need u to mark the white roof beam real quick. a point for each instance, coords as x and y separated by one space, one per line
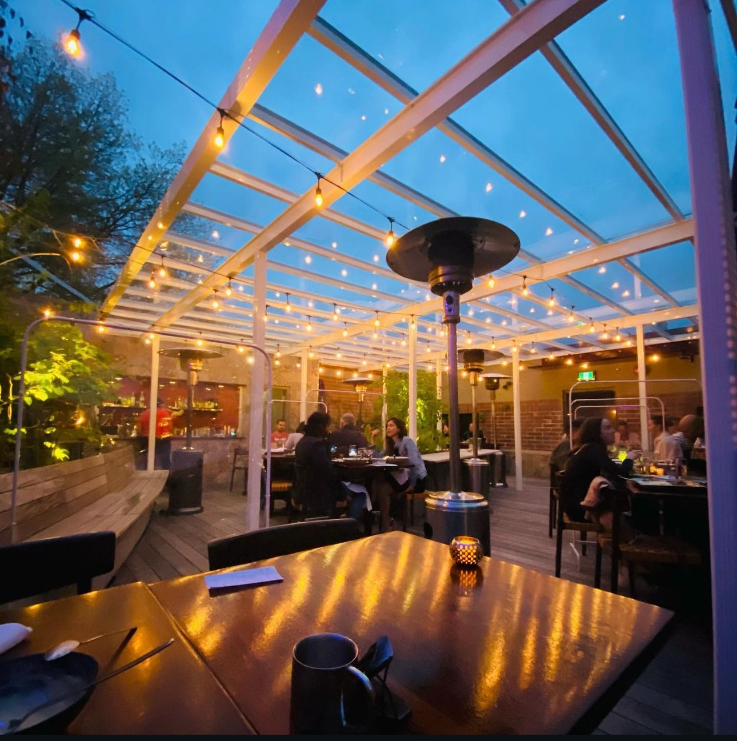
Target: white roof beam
586 96
281 33
509 45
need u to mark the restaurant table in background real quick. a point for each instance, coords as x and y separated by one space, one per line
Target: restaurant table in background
438 467
173 692
500 650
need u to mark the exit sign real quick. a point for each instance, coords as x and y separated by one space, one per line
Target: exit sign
587 376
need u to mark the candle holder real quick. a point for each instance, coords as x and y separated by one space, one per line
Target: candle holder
466 551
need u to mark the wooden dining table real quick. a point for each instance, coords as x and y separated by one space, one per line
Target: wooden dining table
502 649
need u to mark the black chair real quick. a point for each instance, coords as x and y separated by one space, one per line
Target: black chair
38 566
280 540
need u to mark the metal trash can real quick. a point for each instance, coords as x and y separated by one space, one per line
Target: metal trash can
185 482
448 515
477 477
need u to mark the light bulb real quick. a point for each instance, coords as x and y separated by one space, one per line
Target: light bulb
220 137
514 348
229 289
47 313
390 237
152 281
570 317
309 325
569 361
200 343
525 292
628 343
241 349
492 282
617 337
72 43
162 271
100 328
318 197
288 307
278 352
551 300
345 331
493 345
76 256
215 303
310 354
77 242
375 335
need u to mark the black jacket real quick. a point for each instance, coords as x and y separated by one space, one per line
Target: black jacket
347 436
315 483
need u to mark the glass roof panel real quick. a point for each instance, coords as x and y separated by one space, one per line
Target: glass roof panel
658 265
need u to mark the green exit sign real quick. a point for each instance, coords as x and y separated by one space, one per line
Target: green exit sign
587 376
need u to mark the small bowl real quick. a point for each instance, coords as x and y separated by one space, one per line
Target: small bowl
466 551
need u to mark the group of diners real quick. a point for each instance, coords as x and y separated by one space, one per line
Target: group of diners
320 487
592 475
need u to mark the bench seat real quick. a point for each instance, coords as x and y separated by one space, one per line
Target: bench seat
104 492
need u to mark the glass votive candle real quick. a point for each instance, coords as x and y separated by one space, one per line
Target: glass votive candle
466 551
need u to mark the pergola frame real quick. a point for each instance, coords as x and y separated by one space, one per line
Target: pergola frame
532 27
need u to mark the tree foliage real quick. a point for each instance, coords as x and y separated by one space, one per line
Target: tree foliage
69 160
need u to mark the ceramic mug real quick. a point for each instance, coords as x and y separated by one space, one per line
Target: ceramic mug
323 678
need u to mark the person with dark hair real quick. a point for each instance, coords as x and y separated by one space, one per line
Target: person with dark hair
626 438
665 446
295 437
390 492
317 488
566 446
279 435
589 461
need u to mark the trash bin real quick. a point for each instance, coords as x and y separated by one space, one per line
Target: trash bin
448 515
185 482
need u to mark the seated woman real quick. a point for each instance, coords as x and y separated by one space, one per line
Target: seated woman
295 437
589 461
390 491
317 488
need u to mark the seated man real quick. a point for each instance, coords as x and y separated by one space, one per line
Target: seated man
280 435
471 431
665 446
565 447
626 438
346 435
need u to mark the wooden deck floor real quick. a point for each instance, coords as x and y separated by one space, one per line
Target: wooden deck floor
672 696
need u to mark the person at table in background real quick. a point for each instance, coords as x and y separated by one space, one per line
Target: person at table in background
391 490
346 435
590 461
279 435
470 433
162 453
317 487
689 429
626 438
295 437
665 446
565 448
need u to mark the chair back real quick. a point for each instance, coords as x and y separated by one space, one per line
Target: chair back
280 540
38 566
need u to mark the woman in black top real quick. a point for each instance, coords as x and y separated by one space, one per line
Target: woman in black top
588 462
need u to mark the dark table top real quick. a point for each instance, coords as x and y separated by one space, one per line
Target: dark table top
660 485
520 653
173 692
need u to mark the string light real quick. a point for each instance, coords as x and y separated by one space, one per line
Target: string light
412 322
551 356
47 313
468 339
310 354
514 347
335 313
377 323
571 317
551 300
200 342
491 283
569 361
278 351
525 292
364 362
604 335
629 342
229 289
288 306
345 329
493 344
428 348
309 324
390 239
375 335
76 256
73 42
403 343
318 194
266 313
162 269
617 337
338 355
592 328
241 349
77 242
152 281
220 133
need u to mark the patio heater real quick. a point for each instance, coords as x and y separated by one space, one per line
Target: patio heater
492 381
449 253
478 468
185 477
360 385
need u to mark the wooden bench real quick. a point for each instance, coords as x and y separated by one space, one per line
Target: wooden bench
102 492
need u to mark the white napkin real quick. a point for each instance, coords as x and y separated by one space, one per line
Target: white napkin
11 634
246 577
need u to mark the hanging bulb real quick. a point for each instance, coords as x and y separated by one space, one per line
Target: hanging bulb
390 239
309 324
162 270
428 349
592 328
72 43
604 335
215 302
278 351
617 337
491 283
412 324
310 354
335 313
345 329
628 343
241 349
318 194
363 362
493 344
229 289
220 133
468 339
152 281
551 300
551 356
403 342
525 292
338 355
377 323
569 361
570 316
288 306
514 347
375 335
200 342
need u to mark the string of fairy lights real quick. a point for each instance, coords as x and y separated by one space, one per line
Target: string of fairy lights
73 45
